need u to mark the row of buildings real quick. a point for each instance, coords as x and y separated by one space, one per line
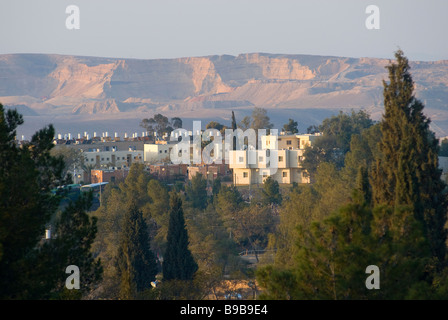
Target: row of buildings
105 160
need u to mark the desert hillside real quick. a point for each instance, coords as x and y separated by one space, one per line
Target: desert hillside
301 86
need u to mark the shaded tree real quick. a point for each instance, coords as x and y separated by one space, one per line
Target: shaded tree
291 126
333 145
73 234
136 262
312 129
176 122
197 191
245 123
233 125
216 125
27 207
271 192
178 263
160 124
406 172
260 119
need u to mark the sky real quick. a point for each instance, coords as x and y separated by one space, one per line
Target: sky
159 29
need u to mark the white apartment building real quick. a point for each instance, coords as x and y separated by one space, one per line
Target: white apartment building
282 162
157 152
112 158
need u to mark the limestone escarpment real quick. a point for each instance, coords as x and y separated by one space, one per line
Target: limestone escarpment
90 85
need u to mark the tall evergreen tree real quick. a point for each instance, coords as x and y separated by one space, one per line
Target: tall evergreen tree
136 262
406 172
27 175
395 221
197 191
234 127
73 234
178 263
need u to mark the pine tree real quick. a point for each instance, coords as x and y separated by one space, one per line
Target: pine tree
271 192
27 175
406 172
136 262
74 232
178 261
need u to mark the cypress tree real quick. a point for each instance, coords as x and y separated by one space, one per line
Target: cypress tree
178 261
234 126
406 172
136 262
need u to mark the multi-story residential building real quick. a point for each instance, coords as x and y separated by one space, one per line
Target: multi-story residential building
112 158
282 162
157 152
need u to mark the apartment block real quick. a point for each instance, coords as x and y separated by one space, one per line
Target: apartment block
112 158
279 157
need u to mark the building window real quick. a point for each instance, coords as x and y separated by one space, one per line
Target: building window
260 159
285 174
288 142
241 159
245 174
280 158
160 151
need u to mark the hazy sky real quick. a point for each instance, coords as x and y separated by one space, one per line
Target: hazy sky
179 28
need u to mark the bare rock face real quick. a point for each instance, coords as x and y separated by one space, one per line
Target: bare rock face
75 79
102 106
198 86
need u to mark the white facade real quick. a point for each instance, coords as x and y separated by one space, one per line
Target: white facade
154 153
113 158
282 163
253 167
